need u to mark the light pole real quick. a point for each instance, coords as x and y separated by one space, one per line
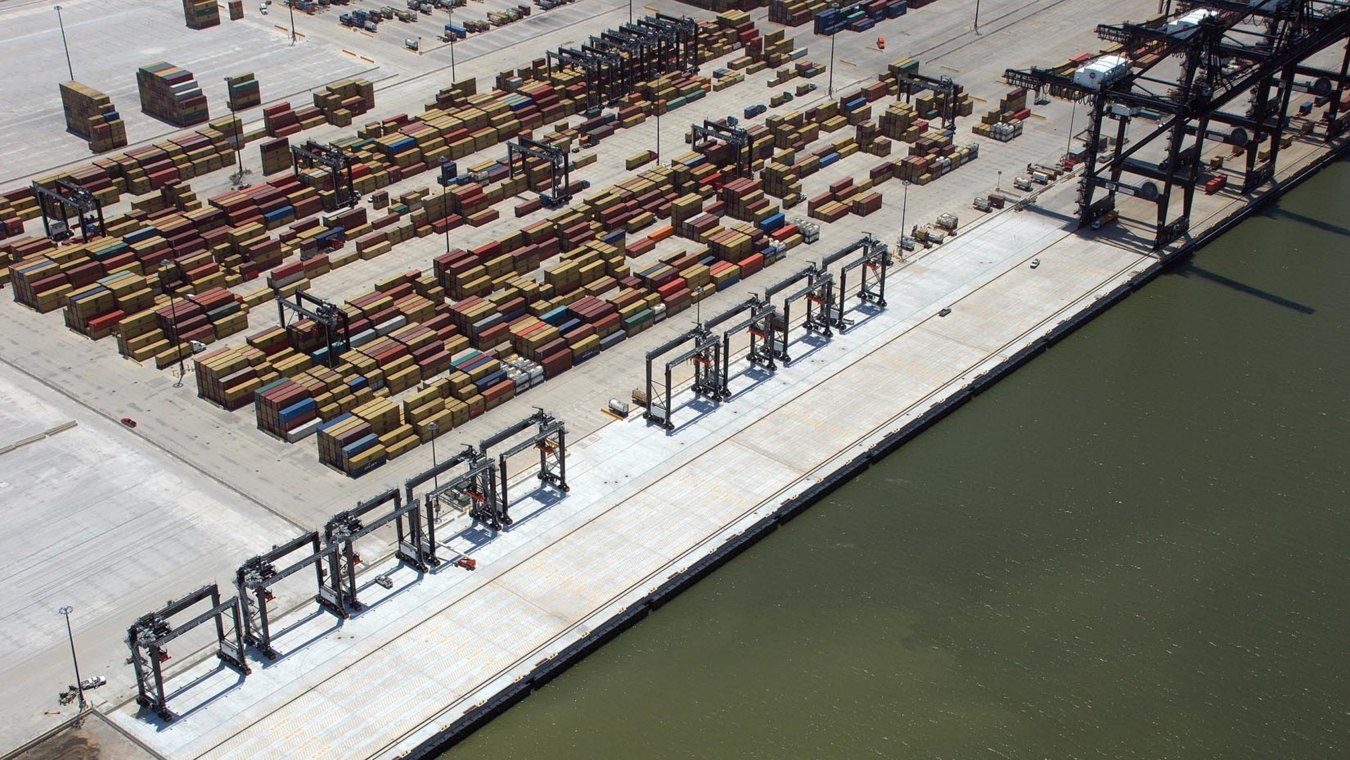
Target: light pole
79 687
998 184
435 478
659 105
829 88
177 338
977 16
445 206
66 47
904 208
450 21
290 4
238 137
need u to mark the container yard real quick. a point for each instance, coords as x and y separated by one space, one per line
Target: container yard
500 325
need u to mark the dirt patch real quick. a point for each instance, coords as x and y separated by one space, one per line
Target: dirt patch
93 739
69 744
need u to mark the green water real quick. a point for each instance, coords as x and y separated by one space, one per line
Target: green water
1138 546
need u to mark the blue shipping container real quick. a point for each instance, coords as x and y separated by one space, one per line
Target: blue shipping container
295 410
335 420
359 445
490 380
555 316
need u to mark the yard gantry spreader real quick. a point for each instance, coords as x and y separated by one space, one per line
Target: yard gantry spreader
818 292
913 83
547 435
329 316
338 164
874 262
704 352
480 489
149 638
738 139
618 60
462 492
759 324
64 199
560 168
338 593
254 580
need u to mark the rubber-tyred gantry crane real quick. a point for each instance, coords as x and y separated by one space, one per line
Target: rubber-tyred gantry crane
333 158
64 199
254 580
149 638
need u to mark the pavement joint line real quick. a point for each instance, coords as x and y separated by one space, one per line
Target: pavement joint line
44 435
978 36
811 476
129 737
616 8
652 477
1130 244
176 130
583 20
175 455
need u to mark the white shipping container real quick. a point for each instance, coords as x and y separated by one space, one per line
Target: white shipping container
391 325
301 432
1185 26
1101 72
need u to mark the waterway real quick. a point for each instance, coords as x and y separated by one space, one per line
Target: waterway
1137 546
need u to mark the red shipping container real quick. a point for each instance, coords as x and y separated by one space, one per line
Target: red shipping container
752 263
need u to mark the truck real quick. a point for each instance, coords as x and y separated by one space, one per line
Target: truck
360 19
981 203
1105 219
755 110
947 222
1022 183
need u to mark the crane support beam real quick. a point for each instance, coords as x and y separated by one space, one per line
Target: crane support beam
151 634
255 578
343 530
1233 49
